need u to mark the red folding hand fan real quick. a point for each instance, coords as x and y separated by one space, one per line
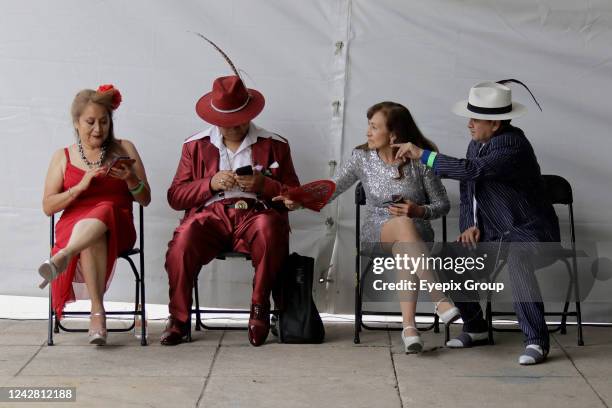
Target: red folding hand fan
313 195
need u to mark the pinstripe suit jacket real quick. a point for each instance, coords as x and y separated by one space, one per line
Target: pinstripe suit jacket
504 176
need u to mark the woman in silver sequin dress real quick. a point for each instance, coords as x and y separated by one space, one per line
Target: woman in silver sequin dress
401 198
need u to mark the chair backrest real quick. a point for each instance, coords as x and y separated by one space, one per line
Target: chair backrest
558 190
360 198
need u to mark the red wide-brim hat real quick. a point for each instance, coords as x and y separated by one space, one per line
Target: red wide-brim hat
230 103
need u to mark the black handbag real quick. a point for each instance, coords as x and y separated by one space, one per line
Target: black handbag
299 320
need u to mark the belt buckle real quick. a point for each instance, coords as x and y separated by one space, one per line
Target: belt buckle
241 205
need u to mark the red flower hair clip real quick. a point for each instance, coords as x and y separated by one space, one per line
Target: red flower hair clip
116 94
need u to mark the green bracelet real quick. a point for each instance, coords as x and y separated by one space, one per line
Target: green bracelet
431 159
138 189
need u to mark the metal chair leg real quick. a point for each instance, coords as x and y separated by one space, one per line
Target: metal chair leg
139 295
579 321
198 323
360 288
356 339
578 311
189 328
568 295
563 329
489 317
143 318
50 321
574 277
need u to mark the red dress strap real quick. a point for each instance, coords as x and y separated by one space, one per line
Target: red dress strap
67 154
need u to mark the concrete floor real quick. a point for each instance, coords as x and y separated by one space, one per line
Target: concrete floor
220 369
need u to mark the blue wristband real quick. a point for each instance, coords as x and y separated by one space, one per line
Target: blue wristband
425 156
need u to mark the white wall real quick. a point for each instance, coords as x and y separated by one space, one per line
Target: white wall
424 54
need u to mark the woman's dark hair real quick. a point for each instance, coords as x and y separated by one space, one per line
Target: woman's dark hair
105 99
399 121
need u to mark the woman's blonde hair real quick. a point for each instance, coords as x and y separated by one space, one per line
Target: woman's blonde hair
87 96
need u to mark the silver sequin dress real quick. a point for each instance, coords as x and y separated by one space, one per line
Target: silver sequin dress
419 184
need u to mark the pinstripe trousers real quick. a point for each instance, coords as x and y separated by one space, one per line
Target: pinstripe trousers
521 262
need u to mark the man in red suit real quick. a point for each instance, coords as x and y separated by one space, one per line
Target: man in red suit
225 211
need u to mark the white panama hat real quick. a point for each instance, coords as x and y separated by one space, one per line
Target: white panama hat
491 100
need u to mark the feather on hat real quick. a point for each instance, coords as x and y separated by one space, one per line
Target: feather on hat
230 103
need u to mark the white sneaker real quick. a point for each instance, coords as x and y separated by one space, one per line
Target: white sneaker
466 340
534 354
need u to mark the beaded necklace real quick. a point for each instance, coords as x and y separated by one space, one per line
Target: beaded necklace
89 164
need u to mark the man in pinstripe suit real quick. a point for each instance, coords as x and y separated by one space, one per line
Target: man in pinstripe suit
501 200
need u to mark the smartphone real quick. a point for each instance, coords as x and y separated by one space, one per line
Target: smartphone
244 171
118 160
395 198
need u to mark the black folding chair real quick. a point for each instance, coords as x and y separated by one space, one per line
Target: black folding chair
558 191
360 199
199 312
139 293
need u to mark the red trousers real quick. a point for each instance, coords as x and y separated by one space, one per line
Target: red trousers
264 234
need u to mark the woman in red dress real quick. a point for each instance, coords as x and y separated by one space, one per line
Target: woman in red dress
96 198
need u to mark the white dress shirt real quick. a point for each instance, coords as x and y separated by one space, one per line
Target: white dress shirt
229 160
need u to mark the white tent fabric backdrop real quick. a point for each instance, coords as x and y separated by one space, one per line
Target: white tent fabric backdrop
320 64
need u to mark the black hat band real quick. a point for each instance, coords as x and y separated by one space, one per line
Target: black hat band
489 111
